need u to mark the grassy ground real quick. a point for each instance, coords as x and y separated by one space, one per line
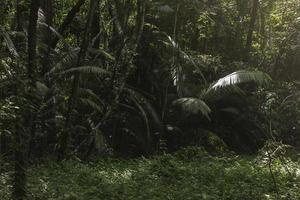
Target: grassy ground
187 175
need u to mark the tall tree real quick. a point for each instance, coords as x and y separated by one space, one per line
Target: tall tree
96 26
48 125
253 18
67 21
47 8
32 41
19 190
75 85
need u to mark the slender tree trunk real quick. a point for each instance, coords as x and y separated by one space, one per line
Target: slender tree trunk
18 16
32 41
117 39
238 40
19 188
95 36
64 137
263 29
125 59
48 125
3 144
67 21
32 66
20 179
47 7
251 29
140 21
96 26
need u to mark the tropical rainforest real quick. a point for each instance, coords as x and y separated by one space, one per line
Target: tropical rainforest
149 99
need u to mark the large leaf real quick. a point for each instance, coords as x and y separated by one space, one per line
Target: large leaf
242 76
194 106
210 95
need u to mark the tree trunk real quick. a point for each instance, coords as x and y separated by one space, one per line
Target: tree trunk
47 7
19 180
3 144
19 183
96 26
123 59
67 21
32 41
64 137
48 125
18 16
238 37
251 29
32 66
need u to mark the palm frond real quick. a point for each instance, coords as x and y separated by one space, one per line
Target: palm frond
65 61
9 43
150 110
89 94
102 52
41 16
42 88
100 141
139 102
6 83
145 117
193 105
46 27
86 70
210 95
242 76
185 56
56 33
90 103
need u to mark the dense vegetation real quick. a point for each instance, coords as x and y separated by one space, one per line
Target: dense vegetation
88 85
188 174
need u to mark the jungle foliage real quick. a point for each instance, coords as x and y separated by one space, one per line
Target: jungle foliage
126 78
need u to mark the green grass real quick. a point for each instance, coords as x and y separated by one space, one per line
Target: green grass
190 174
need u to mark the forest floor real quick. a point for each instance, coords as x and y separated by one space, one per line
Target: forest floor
189 174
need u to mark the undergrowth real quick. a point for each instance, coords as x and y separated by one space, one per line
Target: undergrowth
189 174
